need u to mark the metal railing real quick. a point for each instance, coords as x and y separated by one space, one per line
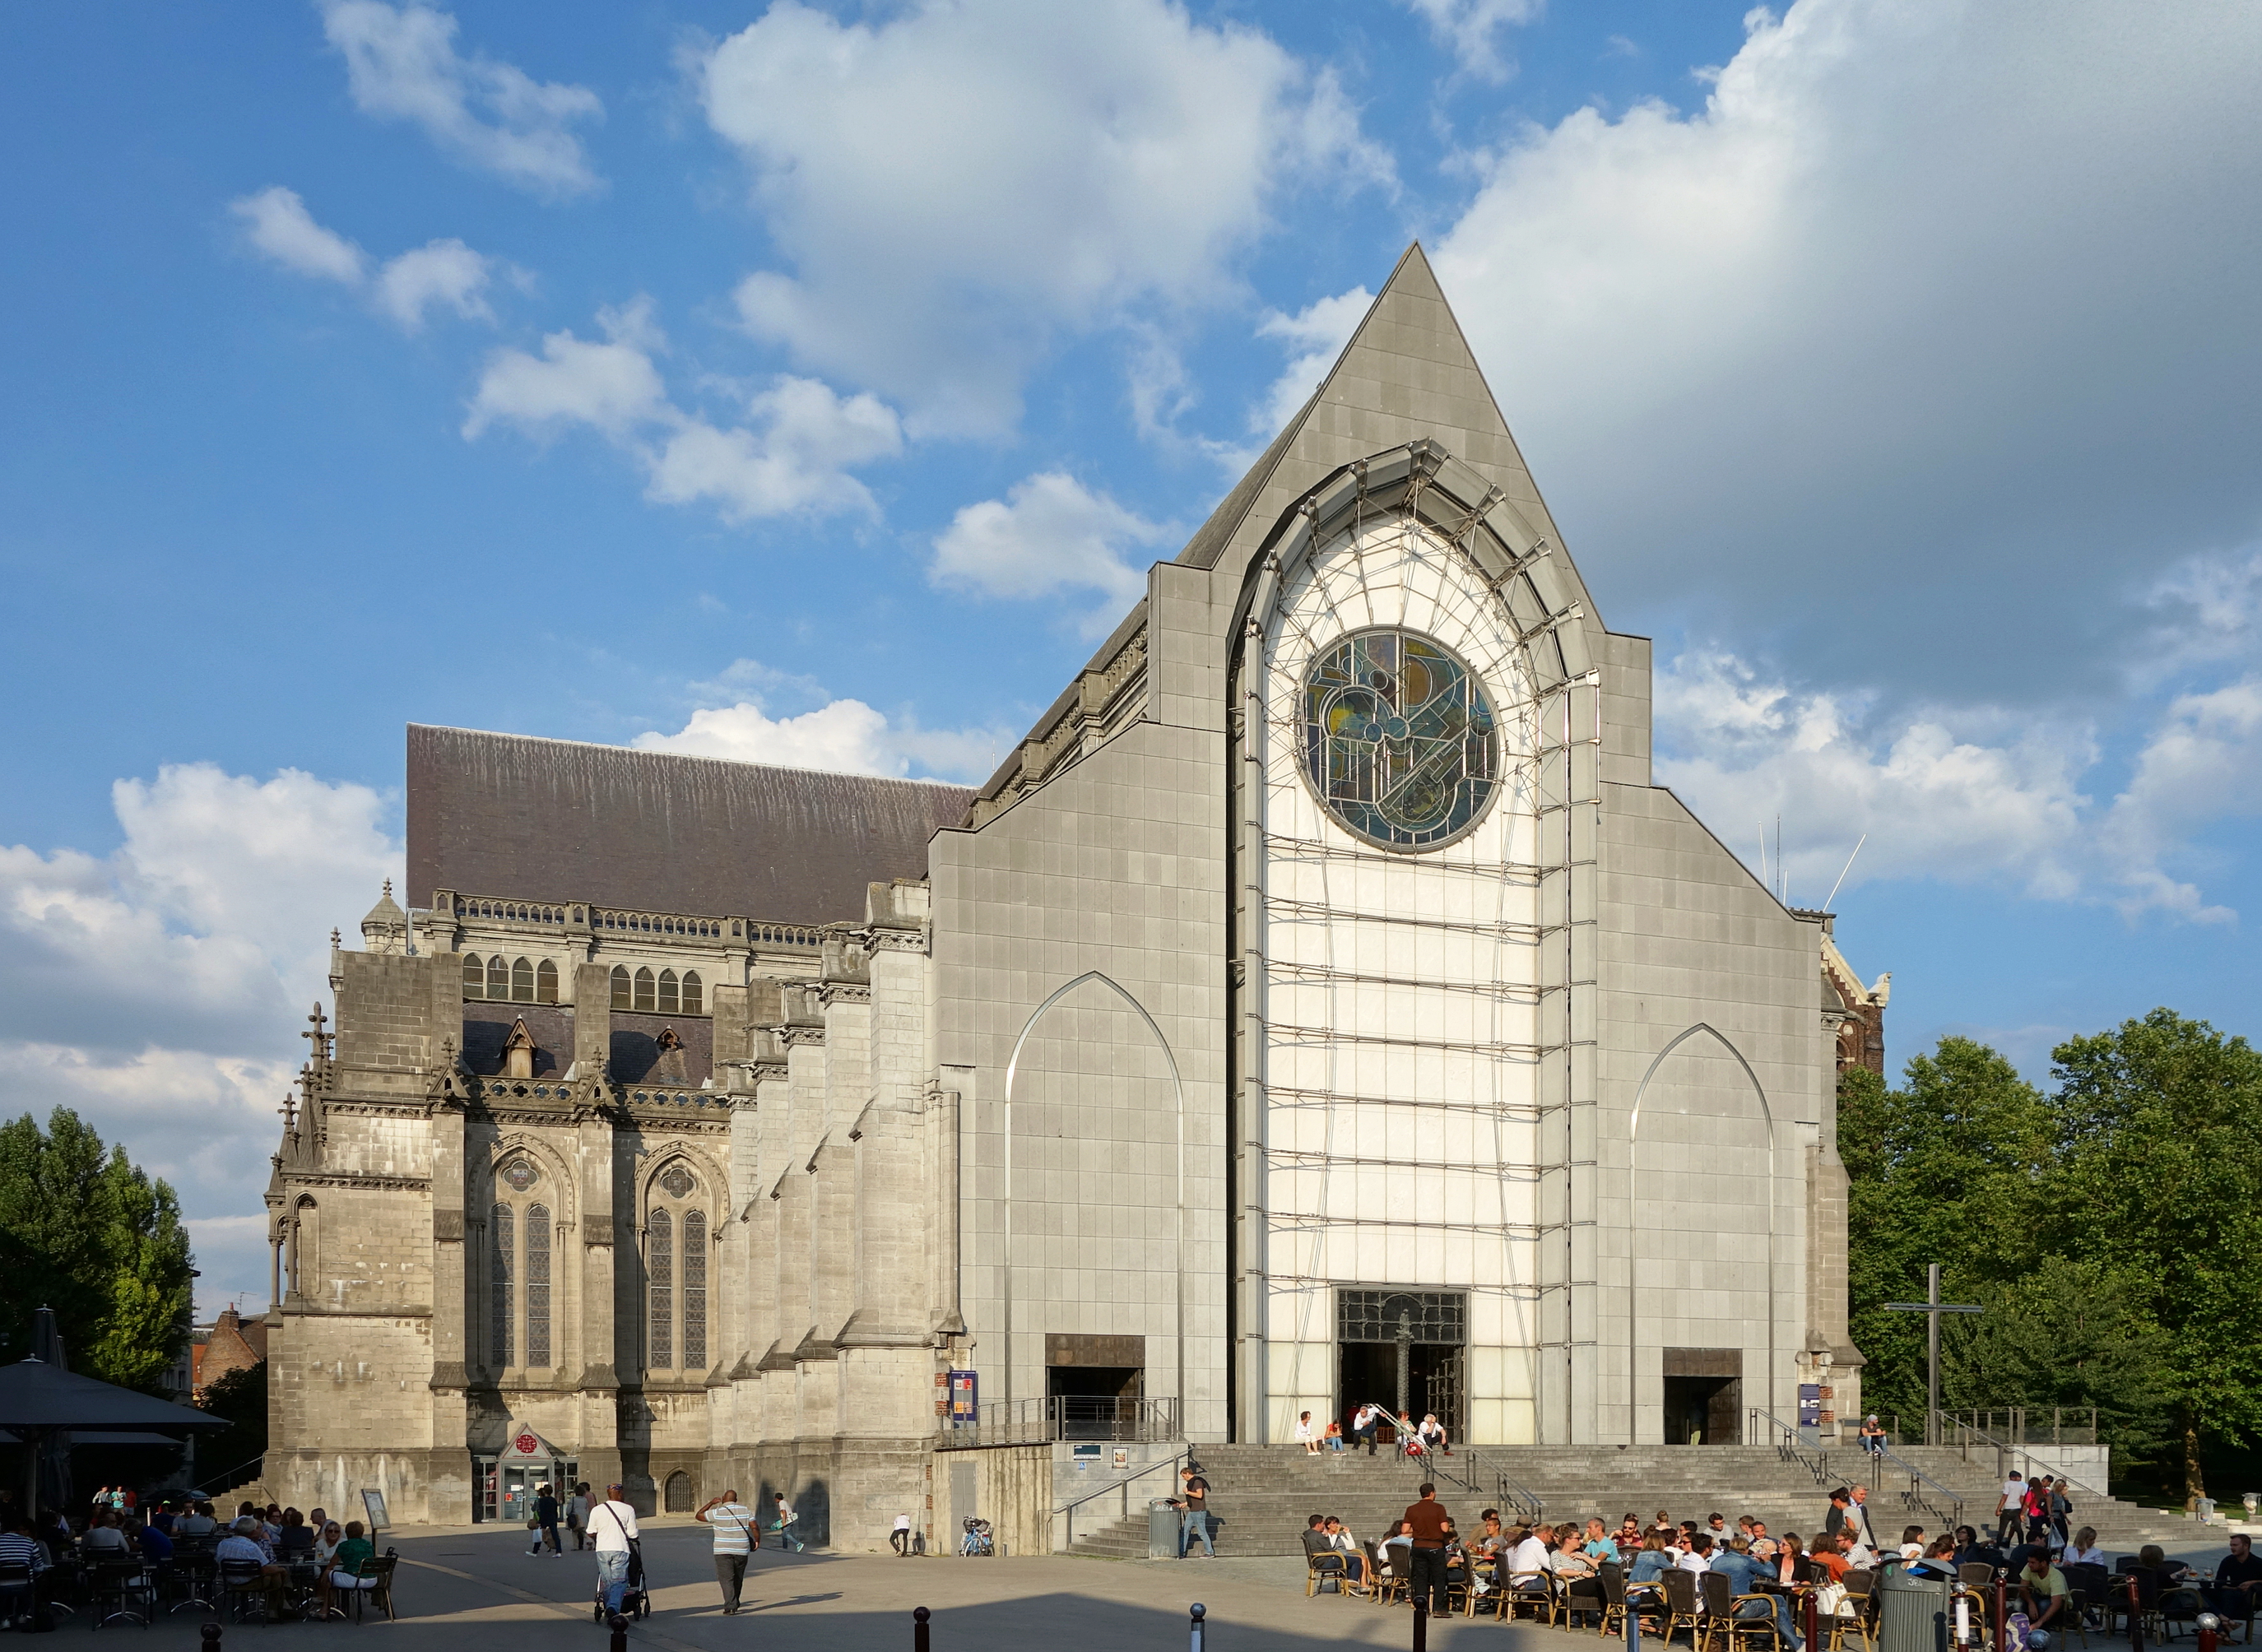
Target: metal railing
2020 1426
1058 1417
1485 1479
1948 1509
1067 1510
1954 1432
1789 1446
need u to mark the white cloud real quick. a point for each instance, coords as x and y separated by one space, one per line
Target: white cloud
1928 295
277 223
442 272
844 736
790 454
1317 334
2203 765
1471 29
1972 794
952 185
1741 751
439 273
159 990
401 63
1050 533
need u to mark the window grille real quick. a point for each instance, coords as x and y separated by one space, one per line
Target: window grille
499 1305
1378 1316
537 1285
694 996
660 1274
695 1291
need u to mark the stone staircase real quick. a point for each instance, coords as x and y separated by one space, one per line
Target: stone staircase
1261 1495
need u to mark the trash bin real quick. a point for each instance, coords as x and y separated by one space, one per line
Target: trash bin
1912 1613
1162 1529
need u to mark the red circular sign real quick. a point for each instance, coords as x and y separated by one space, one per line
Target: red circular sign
526 1444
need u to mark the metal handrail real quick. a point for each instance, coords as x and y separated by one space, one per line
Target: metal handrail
1790 1448
1530 1506
1067 1510
1950 1517
2004 1451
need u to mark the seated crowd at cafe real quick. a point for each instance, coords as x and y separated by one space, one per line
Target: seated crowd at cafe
288 1563
1768 1586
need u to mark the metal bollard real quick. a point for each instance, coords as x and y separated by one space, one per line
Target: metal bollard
1422 1624
1813 1620
1632 1626
2209 1628
210 1633
619 1626
2002 1609
1197 1612
2135 1619
920 1615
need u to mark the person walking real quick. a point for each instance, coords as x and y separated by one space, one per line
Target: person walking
2009 1507
577 1514
1193 1508
783 1518
732 1522
612 1530
545 1522
900 1538
1430 1528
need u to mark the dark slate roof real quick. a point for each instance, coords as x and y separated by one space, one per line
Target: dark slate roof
503 815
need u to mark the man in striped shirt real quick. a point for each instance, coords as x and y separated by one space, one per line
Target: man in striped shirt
733 1526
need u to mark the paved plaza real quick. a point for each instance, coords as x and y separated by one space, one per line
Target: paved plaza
478 1586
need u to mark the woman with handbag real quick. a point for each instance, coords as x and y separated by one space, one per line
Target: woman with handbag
544 1521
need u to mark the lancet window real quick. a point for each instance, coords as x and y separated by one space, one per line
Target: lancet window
675 1273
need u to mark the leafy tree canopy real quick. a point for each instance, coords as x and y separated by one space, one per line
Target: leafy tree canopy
84 1233
2104 1226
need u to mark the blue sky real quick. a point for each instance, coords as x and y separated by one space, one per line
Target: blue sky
812 385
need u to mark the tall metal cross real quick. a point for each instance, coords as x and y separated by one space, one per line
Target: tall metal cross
1932 1308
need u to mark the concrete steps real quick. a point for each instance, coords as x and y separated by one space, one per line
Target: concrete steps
1262 1495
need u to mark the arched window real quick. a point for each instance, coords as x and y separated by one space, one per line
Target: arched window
545 982
475 977
499 1303
667 992
498 977
694 998
620 987
644 990
538 1284
660 1275
521 981
695 1291
305 1270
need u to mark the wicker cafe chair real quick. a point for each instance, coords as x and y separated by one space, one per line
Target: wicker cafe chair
1857 1612
1611 1576
1684 1607
244 1585
1321 1566
1527 1592
382 1568
1389 1579
1715 1602
1581 1596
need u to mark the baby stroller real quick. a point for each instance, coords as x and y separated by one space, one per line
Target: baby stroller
977 1538
634 1603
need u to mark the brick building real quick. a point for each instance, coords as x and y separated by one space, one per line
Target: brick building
1321 1004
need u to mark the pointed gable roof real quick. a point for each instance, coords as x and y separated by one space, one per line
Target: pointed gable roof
1408 372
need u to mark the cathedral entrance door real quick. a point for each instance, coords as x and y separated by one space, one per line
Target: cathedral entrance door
1403 1350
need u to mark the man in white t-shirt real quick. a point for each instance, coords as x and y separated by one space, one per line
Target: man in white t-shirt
732 1523
2007 1519
782 1524
900 1538
612 1527
1696 1556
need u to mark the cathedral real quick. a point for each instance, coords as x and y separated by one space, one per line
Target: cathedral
1320 1005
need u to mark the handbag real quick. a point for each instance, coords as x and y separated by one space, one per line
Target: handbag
1830 1600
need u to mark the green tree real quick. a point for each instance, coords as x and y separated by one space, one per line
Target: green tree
86 1233
2160 1137
1947 1169
240 1397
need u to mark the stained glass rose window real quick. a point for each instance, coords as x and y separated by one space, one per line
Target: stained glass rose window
1399 739
521 1174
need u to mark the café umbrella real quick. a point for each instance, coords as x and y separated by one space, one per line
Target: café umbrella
40 1401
